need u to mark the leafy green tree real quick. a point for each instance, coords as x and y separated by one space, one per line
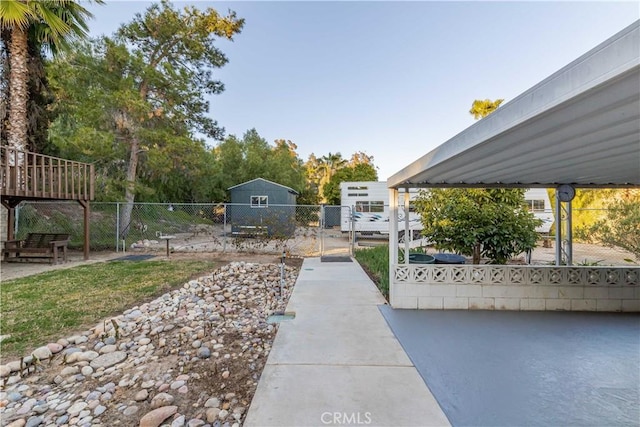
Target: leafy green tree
144 88
321 174
52 24
620 226
492 223
355 172
182 171
286 166
326 167
251 157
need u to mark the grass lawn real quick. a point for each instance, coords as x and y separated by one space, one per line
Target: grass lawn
49 306
375 261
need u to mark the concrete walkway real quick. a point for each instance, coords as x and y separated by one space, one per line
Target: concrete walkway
337 362
15 270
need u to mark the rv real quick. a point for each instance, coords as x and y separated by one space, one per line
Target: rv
369 203
539 203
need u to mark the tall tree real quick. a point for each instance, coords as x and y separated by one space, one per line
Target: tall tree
253 157
359 171
147 84
323 169
178 53
53 23
40 97
321 174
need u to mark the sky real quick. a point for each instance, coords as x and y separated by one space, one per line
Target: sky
392 79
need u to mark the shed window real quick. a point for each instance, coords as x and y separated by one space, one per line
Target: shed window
259 201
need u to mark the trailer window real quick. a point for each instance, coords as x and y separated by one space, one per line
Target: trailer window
535 205
359 187
369 206
259 201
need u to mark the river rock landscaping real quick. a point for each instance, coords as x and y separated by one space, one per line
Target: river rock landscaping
191 357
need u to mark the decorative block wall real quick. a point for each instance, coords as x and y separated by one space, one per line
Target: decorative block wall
500 287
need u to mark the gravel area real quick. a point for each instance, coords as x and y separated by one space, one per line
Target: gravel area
191 357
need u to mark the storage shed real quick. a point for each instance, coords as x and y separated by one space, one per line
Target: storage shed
261 206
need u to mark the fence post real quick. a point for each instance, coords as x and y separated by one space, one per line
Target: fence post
224 229
321 226
117 226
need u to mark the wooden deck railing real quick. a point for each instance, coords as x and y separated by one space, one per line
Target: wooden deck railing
35 176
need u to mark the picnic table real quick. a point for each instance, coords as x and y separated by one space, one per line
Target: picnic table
37 246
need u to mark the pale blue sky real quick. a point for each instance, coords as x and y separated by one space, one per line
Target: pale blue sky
392 79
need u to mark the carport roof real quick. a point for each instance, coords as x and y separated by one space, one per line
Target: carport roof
579 126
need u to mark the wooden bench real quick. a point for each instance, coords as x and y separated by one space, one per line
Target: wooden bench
37 246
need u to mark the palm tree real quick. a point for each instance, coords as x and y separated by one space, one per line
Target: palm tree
328 166
53 24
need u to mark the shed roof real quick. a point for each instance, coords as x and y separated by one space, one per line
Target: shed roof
289 189
579 126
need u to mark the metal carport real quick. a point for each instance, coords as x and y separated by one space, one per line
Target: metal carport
580 126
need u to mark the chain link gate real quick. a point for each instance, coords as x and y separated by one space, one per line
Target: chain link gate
336 227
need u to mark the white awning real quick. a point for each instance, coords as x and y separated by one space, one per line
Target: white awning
579 126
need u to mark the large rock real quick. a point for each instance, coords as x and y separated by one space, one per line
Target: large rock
109 359
42 353
157 416
161 399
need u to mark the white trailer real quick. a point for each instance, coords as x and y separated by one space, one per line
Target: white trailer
369 203
539 203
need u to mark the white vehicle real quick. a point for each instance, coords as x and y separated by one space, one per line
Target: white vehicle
369 201
539 203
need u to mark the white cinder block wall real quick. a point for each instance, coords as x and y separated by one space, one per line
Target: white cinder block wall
540 288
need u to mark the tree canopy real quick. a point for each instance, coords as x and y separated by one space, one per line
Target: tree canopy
136 105
492 223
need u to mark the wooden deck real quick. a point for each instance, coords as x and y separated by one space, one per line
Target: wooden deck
28 176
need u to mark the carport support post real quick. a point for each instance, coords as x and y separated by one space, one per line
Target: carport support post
558 230
564 247
393 229
569 246
406 225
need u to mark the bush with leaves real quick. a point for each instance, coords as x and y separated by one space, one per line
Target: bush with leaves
619 228
490 223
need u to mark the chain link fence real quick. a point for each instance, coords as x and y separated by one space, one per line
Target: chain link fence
301 230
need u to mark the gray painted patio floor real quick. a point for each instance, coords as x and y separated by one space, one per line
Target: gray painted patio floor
492 368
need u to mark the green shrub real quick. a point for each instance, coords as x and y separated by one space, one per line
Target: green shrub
375 262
